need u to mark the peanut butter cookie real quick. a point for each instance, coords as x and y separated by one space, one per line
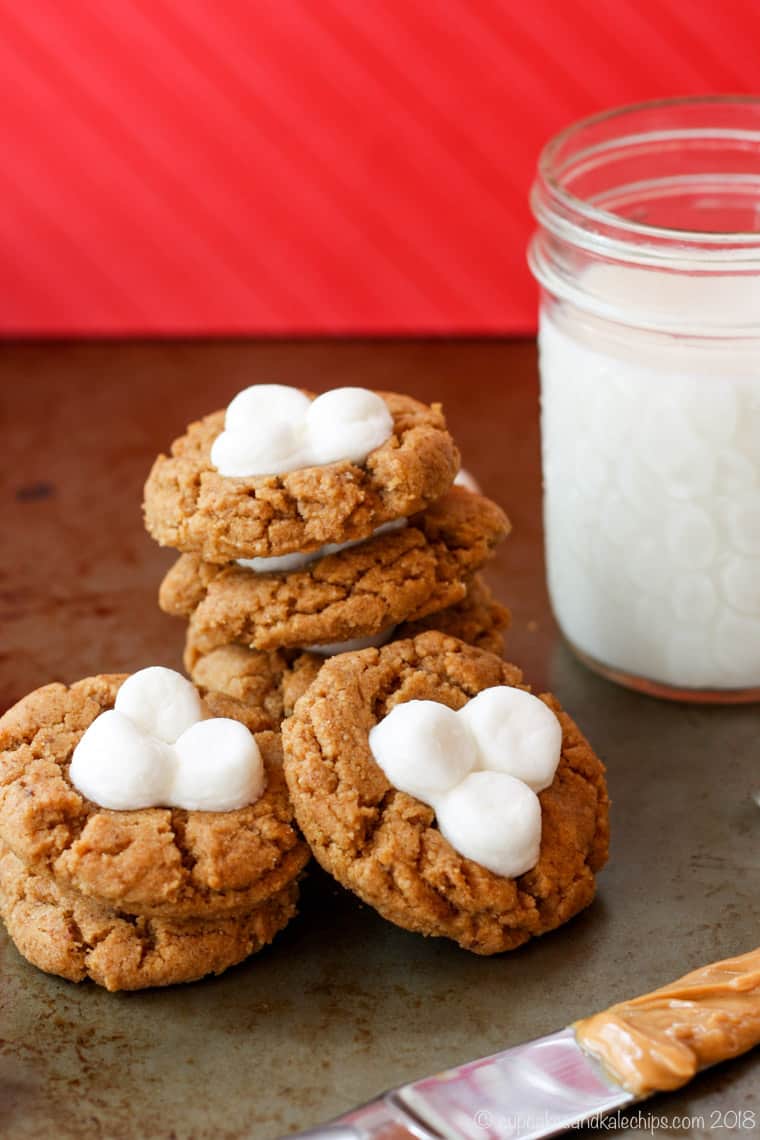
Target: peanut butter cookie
190 506
153 861
384 844
394 577
269 682
77 938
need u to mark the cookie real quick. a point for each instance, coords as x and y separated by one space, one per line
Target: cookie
153 861
384 845
77 938
269 682
394 577
478 619
190 506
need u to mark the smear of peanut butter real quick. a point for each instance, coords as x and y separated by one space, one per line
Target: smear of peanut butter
659 1041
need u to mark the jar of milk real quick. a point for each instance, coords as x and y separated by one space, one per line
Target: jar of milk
648 256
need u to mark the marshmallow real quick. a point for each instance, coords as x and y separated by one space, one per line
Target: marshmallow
281 563
464 478
219 767
479 768
117 765
154 748
270 429
495 819
160 702
335 647
285 563
516 733
424 748
268 404
348 423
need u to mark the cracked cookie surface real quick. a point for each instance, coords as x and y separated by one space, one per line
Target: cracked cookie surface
155 861
190 506
77 938
271 681
391 578
384 844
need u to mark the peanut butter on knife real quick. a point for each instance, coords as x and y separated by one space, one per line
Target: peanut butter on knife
661 1040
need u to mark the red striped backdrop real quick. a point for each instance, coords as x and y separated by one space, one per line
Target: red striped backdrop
279 166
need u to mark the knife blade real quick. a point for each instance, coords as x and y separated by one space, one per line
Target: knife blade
533 1090
655 1042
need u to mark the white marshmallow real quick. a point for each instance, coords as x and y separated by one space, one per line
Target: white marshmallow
286 563
117 765
495 819
516 733
219 767
465 478
424 748
479 768
281 563
277 449
266 404
271 429
155 749
348 423
353 646
160 701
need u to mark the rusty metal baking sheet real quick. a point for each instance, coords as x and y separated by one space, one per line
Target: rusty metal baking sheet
343 1004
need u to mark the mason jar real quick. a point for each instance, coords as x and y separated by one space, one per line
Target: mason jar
647 252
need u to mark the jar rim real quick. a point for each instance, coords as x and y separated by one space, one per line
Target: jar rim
561 210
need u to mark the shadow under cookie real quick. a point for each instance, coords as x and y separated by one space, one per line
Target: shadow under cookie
360 592
384 844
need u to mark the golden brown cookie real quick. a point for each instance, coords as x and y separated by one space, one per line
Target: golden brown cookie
478 619
360 592
271 681
384 844
76 938
190 506
155 861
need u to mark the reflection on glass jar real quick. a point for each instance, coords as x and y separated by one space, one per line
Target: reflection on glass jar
648 254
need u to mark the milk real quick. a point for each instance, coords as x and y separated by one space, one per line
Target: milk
651 458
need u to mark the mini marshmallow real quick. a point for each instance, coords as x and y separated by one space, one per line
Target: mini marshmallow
271 429
348 423
516 733
479 768
118 765
495 819
424 748
246 453
160 701
155 749
270 403
219 767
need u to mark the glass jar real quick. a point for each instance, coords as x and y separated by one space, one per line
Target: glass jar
648 256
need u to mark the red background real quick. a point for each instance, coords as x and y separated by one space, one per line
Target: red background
302 166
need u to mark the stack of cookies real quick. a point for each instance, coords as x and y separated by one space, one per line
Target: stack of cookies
143 897
279 572
347 681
